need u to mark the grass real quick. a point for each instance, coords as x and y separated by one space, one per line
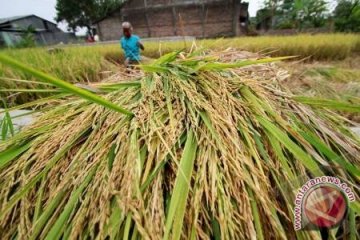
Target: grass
213 151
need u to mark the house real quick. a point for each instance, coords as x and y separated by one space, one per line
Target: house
44 32
162 18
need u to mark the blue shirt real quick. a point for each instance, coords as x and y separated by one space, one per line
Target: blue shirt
131 47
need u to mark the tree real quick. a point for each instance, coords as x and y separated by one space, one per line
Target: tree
272 9
310 13
82 13
263 19
297 13
287 15
347 16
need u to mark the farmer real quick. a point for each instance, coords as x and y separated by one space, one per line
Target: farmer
130 44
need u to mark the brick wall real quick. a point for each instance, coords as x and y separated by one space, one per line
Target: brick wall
110 28
200 21
161 23
219 21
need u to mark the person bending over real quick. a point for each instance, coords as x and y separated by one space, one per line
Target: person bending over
131 45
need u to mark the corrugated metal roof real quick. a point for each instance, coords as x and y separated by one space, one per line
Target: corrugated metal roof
10 19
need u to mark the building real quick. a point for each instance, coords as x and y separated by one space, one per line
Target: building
161 18
44 32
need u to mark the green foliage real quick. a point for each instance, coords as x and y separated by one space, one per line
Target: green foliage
82 13
27 38
6 124
310 13
295 13
328 103
264 18
347 16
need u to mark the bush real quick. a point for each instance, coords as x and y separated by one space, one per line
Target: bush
347 16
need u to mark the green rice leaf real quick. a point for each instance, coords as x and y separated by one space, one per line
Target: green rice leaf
167 58
152 176
56 230
31 90
9 123
256 215
63 85
10 154
46 214
354 233
328 103
39 198
116 86
127 227
4 129
116 218
216 229
284 161
36 102
111 157
153 68
204 116
320 146
300 154
176 212
135 234
355 206
216 66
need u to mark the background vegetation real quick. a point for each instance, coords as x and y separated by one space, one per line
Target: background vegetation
83 13
347 16
303 14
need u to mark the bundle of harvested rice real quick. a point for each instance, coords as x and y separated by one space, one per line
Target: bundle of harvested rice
205 150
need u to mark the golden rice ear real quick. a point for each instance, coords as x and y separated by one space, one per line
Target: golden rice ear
216 153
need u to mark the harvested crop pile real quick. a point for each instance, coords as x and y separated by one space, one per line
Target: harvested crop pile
209 151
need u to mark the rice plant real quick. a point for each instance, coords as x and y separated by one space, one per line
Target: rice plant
6 124
214 149
85 64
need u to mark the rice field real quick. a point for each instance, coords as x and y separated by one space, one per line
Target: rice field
85 64
201 143
79 63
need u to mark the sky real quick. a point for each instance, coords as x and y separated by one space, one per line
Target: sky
46 8
42 8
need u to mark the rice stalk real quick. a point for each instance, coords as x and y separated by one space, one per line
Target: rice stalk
209 153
